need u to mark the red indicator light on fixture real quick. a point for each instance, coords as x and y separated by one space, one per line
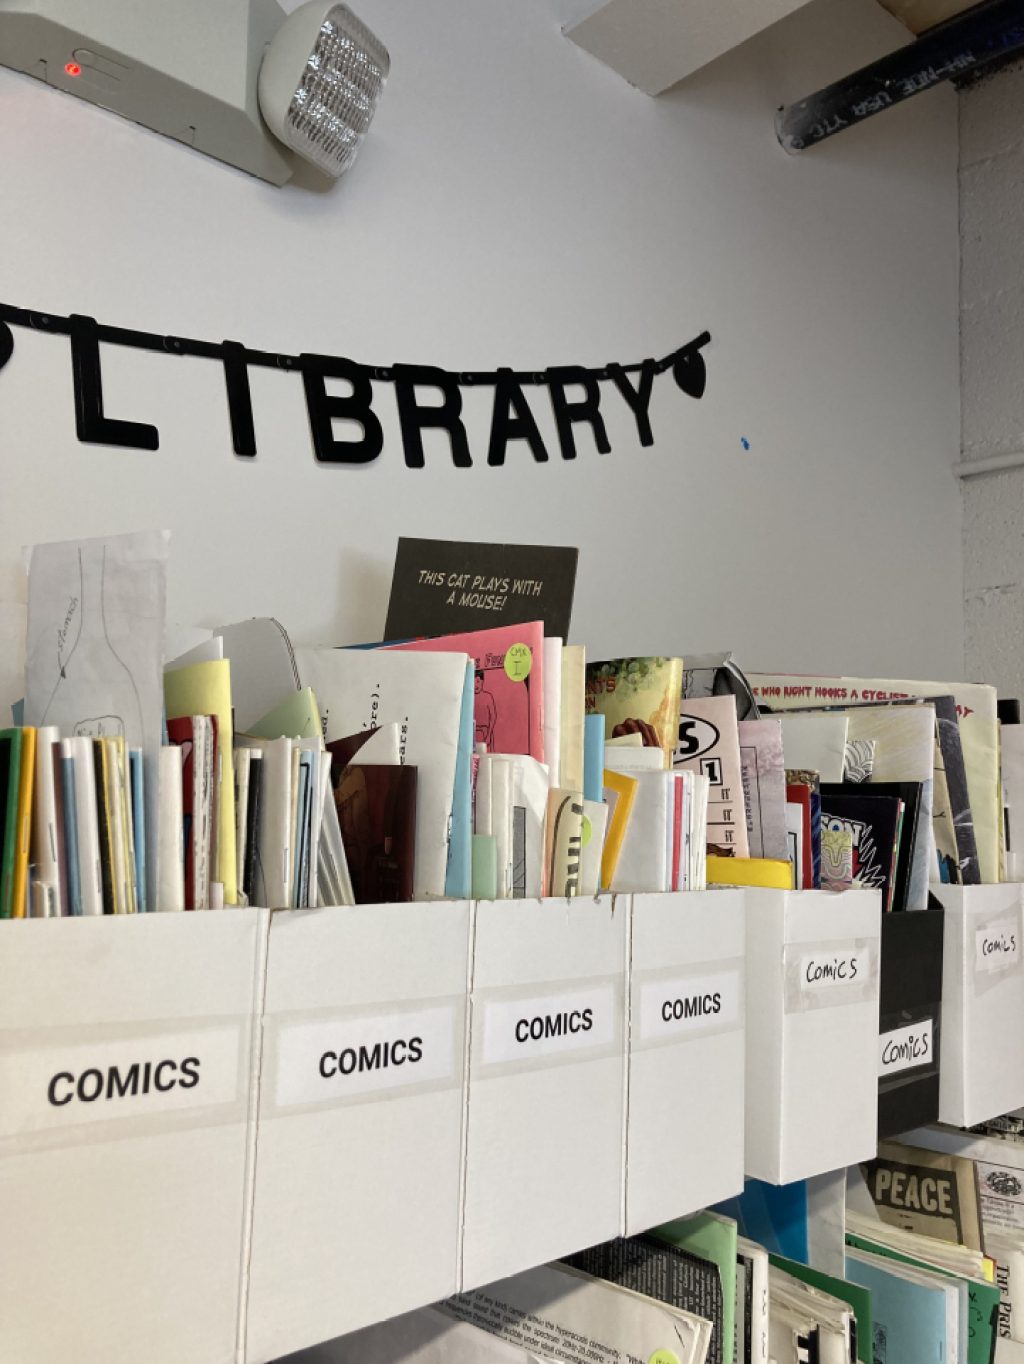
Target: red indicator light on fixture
73 69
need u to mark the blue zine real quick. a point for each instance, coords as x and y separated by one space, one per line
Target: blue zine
136 768
67 768
458 882
593 757
909 1319
774 1215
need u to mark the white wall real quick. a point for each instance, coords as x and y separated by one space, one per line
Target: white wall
518 204
992 324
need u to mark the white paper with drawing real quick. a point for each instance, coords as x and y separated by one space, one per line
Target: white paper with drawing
96 637
95 648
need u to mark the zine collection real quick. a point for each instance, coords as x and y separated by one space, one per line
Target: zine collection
497 761
475 751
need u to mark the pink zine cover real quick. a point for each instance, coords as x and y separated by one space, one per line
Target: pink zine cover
677 828
508 705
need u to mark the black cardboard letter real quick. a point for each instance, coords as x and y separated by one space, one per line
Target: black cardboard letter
586 409
639 398
689 371
512 420
323 407
93 427
415 417
6 344
236 379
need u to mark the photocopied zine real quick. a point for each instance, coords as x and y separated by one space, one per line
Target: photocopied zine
571 1315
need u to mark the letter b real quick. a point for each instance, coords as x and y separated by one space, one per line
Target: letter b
323 407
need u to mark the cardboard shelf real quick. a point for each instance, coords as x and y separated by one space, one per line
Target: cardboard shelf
306 1121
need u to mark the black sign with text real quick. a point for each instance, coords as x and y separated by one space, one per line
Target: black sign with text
444 587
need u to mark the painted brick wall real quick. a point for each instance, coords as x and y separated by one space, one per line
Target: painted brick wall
992 361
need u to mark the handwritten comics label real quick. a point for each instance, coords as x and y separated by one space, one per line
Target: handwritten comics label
997 945
518 662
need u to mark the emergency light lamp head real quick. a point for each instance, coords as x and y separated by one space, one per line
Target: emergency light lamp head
320 82
237 79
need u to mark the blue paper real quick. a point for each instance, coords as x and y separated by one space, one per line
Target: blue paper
67 768
909 1319
458 882
774 1215
136 766
593 757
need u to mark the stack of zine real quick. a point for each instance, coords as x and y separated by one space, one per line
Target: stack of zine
896 785
497 763
940 1252
694 1291
911 1257
71 807
248 770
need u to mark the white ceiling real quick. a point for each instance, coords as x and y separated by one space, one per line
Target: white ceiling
654 44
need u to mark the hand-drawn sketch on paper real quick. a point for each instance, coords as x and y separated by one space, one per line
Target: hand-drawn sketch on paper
95 637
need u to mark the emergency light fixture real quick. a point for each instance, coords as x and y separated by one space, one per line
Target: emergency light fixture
239 80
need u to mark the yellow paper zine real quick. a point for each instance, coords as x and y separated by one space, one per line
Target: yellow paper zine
750 871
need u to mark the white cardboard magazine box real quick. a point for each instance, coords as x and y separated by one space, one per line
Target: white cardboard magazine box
544 1151
812 1031
126 1138
981 1068
684 1134
361 1105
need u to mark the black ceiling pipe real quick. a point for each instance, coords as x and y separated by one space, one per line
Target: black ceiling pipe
949 51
